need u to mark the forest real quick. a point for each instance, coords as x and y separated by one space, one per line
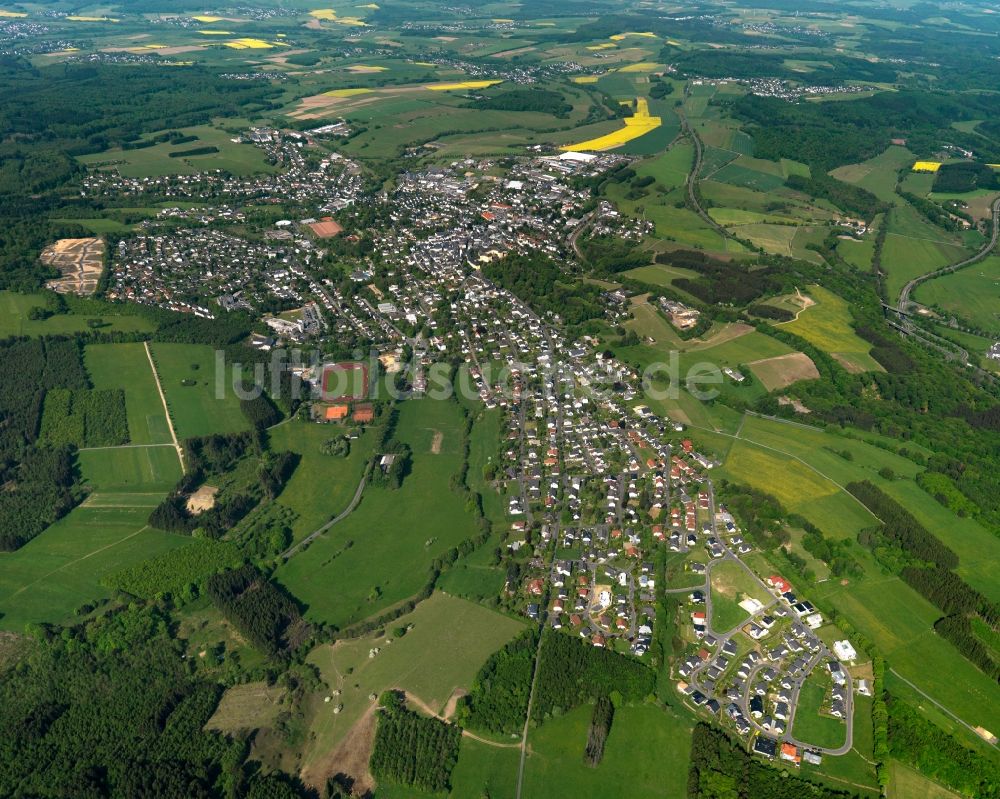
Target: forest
541 101
258 609
572 671
84 418
42 483
498 700
111 709
541 284
411 749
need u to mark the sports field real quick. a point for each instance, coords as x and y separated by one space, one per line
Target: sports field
126 366
647 750
201 402
827 325
449 641
972 293
345 380
322 485
381 553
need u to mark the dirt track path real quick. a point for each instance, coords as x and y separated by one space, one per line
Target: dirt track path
166 410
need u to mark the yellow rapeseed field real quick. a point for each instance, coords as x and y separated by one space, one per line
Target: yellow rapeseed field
205 18
347 92
639 124
323 13
12 14
641 66
464 84
603 46
619 36
215 33
584 79
250 44
926 166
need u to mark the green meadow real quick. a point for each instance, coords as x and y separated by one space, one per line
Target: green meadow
828 325
381 554
126 366
322 485
201 400
647 750
14 319
972 293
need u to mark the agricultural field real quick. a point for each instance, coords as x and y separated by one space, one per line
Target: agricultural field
321 485
731 583
782 371
659 274
648 750
126 366
201 400
905 257
435 660
381 553
972 294
14 319
244 708
827 324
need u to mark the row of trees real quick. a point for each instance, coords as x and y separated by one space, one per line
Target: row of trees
900 528
597 733
411 749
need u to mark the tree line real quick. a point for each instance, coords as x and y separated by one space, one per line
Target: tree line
498 699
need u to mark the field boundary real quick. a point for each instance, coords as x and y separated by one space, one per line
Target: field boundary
166 410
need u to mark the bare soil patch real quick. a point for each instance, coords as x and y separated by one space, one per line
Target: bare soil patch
784 370
436 442
202 500
80 261
350 757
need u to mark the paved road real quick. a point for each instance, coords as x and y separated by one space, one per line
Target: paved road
904 296
340 517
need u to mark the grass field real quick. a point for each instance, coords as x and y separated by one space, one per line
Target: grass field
381 553
130 469
659 274
731 584
126 366
14 319
878 174
238 159
647 751
972 293
800 490
322 485
827 325
809 725
905 258
483 768
246 707
52 575
905 783
189 381
450 640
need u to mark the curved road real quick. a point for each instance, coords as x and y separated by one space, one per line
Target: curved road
692 177
904 295
338 518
